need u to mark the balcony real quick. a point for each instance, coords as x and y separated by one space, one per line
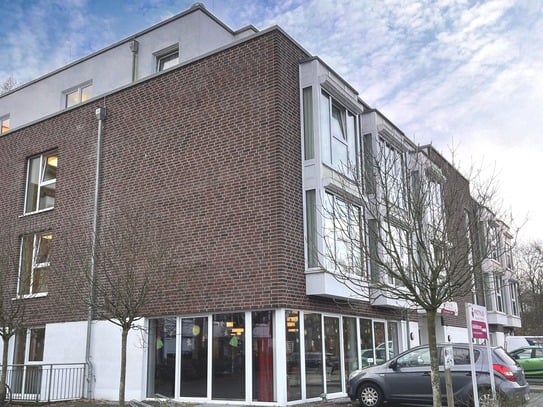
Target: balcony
46 383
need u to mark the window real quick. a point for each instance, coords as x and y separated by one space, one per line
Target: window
435 205
395 252
167 58
309 143
311 228
35 263
342 235
338 129
393 173
41 182
77 95
508 256
498 286
513 286
26 376
4 124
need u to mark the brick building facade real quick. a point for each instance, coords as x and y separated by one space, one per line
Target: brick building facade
209 156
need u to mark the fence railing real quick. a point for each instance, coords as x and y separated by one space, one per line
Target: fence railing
46 382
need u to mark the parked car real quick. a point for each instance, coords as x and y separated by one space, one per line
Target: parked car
369 358
405 380
530 358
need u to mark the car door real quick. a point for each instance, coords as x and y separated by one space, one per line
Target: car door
408 382
533 365
460 371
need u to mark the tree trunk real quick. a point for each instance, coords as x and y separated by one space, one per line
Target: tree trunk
434 358
122 380
4 368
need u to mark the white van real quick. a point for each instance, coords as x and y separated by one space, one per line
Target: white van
515 342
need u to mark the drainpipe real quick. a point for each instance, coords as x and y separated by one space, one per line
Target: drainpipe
134 47
101 116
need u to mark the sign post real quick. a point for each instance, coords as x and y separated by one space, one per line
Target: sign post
478 329
449 363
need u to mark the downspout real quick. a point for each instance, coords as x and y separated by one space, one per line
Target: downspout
134 47
101 116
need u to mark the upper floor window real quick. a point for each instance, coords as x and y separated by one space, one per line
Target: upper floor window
41 182
338 128
513 287
4 124
392 173
395 256
35 263
498 287
508 256
342 237
77 95
435 205
167 58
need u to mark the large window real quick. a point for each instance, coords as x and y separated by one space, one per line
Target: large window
435 206
29 347
342 235
294 378
498 286
513 287
35 263
395 256
161 357
77 94
228 378
4 124
338 129
167 58
41 182
392 174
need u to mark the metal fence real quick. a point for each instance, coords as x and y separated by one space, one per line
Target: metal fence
47 382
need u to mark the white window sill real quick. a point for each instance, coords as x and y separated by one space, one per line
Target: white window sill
35 212
36 295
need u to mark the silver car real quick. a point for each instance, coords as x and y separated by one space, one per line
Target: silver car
405 380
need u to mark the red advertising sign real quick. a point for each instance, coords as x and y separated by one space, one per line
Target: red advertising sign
479 329
477 320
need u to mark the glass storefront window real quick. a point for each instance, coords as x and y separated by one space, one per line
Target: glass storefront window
332 355
350 353
263 356
366 342
313 355
228 356
294 376
194 340
162 348
392 339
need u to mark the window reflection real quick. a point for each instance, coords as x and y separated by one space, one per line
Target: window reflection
263 356
294 390
194 340
229 356
313 355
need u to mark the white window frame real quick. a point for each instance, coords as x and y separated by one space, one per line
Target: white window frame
332 111
345 232
80 95
34 265
163 58
42 182
4 124
395 241
392 161
498 293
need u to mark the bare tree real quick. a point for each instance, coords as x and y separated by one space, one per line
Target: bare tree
416 239
113 271
12 310
9 83
530 275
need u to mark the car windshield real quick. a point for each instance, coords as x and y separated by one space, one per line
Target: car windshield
504 356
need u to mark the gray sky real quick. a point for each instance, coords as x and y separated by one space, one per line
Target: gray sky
464 75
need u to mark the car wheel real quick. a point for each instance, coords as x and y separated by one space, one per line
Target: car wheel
370 395
486 399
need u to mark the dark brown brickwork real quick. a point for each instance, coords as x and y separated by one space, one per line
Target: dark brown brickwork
211 152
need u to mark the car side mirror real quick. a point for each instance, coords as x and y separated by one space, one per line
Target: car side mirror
393 365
